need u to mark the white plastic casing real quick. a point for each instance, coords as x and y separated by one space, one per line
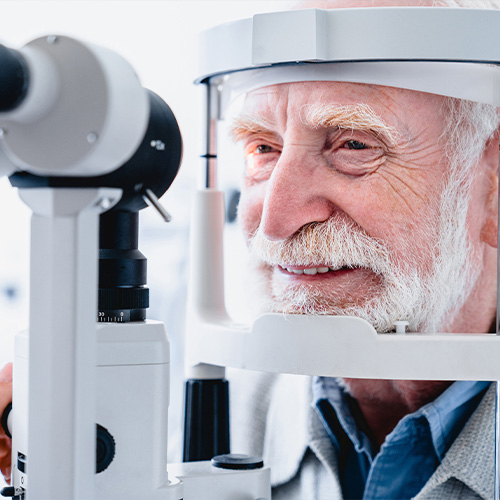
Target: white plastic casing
206 285
202 481
132 379
62 339
133 361
85 113
341 35
427 49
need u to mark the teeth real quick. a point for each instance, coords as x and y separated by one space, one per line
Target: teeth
311 271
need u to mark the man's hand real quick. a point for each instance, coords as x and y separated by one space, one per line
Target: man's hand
5 441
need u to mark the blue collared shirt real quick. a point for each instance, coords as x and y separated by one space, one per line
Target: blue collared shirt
410 453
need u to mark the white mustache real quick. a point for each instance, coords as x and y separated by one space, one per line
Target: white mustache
334 243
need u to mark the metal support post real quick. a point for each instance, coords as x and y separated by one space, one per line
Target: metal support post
62 340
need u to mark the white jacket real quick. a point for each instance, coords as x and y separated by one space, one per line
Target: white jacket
271 416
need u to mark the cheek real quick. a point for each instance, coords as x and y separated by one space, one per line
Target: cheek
407 230
250 211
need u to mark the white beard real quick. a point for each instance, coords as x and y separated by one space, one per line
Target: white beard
405 293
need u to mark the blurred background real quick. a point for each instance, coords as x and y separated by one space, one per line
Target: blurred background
159 38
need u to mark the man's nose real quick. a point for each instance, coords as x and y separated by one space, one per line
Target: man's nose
297 194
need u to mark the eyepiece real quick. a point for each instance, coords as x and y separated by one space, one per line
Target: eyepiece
14 79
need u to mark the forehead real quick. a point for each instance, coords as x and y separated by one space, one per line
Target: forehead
398 107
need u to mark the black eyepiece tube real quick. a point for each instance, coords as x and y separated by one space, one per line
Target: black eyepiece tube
123 295
14 79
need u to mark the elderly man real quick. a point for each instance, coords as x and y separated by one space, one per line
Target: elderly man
380 203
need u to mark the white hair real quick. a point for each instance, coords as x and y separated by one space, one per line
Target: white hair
469 126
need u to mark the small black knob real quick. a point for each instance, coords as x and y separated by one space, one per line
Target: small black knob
13 492
237 461
8 491
105 449
21 462
4 420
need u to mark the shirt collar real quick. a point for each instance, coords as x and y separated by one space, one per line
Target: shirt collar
446 415
332 389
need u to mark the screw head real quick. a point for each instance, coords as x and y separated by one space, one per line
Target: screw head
104 203
92 137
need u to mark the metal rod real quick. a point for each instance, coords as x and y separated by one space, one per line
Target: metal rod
152 200
210 153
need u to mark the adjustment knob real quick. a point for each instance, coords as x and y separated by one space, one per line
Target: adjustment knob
236 461
105 449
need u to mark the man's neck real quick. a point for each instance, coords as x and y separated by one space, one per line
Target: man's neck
383 403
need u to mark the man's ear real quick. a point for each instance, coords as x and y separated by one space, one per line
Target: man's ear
489 231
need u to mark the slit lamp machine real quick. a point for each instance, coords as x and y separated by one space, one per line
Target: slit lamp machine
88 148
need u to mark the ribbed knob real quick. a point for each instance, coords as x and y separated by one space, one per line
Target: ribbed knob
123 298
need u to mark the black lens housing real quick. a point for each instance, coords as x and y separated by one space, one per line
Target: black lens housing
123 295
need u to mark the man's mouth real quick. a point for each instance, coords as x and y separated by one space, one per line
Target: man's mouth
325 286
313 270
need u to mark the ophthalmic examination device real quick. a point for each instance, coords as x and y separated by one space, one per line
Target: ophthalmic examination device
74 378
88 147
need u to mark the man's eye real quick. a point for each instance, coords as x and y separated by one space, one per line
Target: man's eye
260 161
263 148
355 145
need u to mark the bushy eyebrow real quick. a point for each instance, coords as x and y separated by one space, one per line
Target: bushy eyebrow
246 124
351 117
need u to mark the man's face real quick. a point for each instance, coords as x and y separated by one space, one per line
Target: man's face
343 198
